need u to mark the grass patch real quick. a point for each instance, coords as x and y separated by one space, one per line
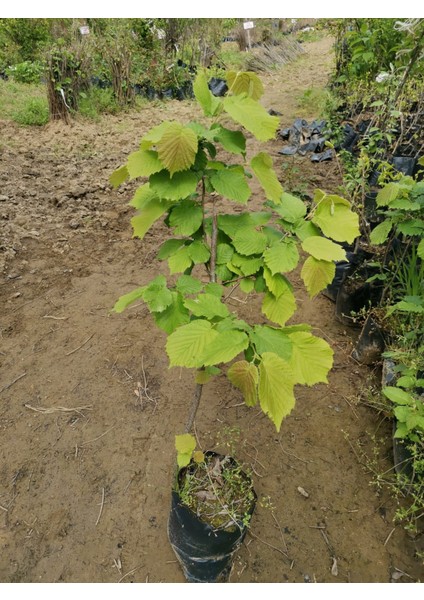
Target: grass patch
23 103
317 102
96 102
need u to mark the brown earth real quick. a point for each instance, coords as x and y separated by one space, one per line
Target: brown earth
86 465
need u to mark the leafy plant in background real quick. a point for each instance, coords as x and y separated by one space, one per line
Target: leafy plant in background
188 185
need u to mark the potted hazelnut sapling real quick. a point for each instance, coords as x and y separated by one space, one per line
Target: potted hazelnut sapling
187 183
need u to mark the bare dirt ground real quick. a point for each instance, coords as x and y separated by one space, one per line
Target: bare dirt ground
85 465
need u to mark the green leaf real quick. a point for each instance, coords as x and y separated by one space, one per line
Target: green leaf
380 233
247 265
143 196
231 184
245 82
224 253
224 347
119 176
223 273
317 274
232 141
177 147
231 224
181 185
186 284
277 284
186 345
180 261
184 445
420 249
280 309
311 358
306 229
206 305
275 388
252 116
173 316
214 288
209 103
323 249
411 227
128 299
199 252
244 376
248 241
157 296
336 220
169 248
397 395
154 136
263 169
186 217
387 194
143 163
282 257
270 339
290 208
247 285
151 212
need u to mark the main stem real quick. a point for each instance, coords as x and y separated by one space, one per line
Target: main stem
212 277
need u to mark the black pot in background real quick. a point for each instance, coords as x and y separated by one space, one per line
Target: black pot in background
356 296
370 209
205 553
370 344
404 164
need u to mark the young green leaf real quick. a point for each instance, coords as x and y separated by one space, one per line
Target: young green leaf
145 218
186 345
209 103
270 339
186 284
332 214
380 233
247 265
317 274
231 184
280 309
388 193
282 257
248 241
154 136
311 358
142 196
227 345
119 176
252 116
169 248
206 305
397 395
199 252
173 316
247 285
184 445
143 163
186 217
245 82
420 249
128 299
290 208
323 249
181 185
177 147
232 141
275 388
263 169
277 284
244 376
180 261
224 253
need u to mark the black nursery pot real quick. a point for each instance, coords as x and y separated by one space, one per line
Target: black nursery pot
370 344
204 552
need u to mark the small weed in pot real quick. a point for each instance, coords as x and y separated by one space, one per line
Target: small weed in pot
209 254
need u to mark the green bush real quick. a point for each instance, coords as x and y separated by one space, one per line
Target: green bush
26 72
96 102
34 112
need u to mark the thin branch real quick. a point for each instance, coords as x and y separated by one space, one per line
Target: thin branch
6 387
101 506
194 407
83 344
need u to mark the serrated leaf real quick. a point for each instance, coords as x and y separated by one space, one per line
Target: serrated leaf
336 220
323 249
306 229
224 253
387 194
209 103
177 147
206 305
173 316
142 196
214 288
186 217
248 241
186 284
247 285
282 257
119 176
252 116
181 185
420 249
124 301
223 273
275 388
143 163
186 345
150 213
169 248
311 358
232 141
231 224
244 376
157 296
199 252
245 82
411 227
198 456
397 395
180 261
290 208
184 444
380 233
263 169
270 339
153 136
225 347
317 274
231 184
248 266
280 309
277 284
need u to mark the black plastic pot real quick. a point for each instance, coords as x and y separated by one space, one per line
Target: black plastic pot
217 86
404 164
370 344
356 296
205 553
370 209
